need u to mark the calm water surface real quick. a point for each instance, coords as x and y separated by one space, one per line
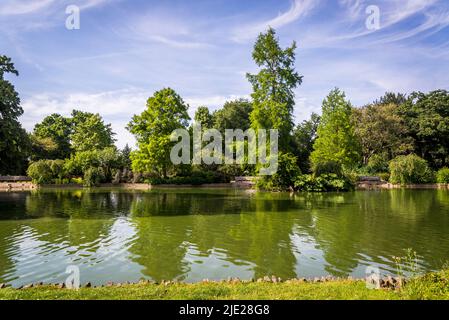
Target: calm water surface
190 235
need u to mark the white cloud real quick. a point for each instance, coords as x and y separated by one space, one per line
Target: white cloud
14 7
298 9
116 107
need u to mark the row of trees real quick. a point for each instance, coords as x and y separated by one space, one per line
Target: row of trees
325 152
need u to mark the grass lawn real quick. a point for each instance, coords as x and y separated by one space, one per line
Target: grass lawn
206 291
429 286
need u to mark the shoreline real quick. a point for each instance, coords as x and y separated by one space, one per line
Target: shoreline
367 186
432 285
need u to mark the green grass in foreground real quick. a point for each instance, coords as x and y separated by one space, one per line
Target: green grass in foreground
430 286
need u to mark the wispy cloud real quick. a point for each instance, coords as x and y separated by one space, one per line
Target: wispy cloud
298 9
14 7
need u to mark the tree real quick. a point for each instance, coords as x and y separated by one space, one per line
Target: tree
336 139
427 116
203 116
57 129
410 169
304 137
14 141
42 148
234 115
126 157
381 130
391 98
165 112
107 159
273 95
89 132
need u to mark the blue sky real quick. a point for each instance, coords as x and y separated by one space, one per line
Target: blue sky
126 50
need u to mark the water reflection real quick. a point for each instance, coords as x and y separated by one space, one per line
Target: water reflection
194 234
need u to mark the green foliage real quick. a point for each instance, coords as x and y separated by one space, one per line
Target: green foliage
391 98
284 178
203 116
384 176
336 136
443 175
324 183
327 167
165 112
54 128
234 115
126 157
42 148
427 116
14 141
273 87
378 163
93 176
410 169
47 171
304 137
327 176
89 132
106 159
381 129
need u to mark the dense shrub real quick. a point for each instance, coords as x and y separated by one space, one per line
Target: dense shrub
108 159
47 171
285 176
327 167
93 176
384 176
377 163
410 169
443 175
323 183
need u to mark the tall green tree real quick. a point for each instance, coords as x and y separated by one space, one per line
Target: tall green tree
89 132
165 112
58 129
234 115
304 137
391 98
126 157
203 116
14 141
273 87
336 139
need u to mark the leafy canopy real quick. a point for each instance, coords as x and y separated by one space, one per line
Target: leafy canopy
89 132
14 141
336 135
57 129
273 95
165 112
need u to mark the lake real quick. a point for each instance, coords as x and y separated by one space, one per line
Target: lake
195 234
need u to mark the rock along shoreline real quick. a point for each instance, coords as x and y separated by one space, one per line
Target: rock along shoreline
388 282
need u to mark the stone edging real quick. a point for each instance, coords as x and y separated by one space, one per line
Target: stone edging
383 283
